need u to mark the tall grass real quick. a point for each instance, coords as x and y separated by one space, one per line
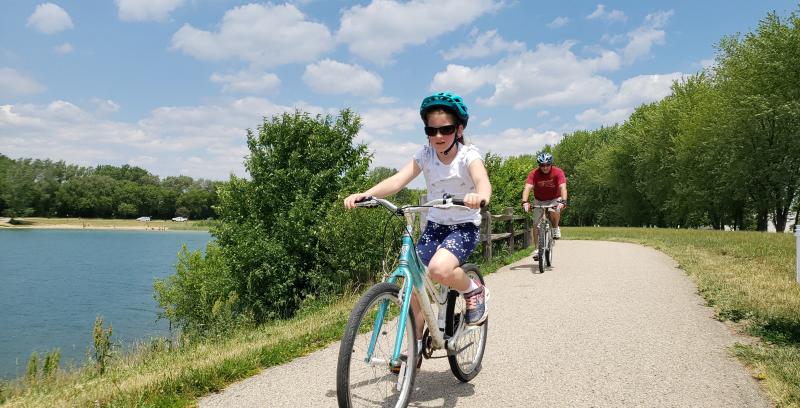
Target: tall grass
749 278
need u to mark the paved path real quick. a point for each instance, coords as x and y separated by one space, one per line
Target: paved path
610 325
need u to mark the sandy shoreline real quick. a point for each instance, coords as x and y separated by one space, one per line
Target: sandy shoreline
90 225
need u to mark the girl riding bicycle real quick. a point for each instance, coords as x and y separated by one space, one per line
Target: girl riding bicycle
450 167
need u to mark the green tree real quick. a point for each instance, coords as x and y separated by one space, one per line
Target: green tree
759 81
270 227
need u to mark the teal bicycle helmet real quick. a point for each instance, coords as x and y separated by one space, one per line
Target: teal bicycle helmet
448 101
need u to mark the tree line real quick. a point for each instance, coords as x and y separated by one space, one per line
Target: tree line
46 188
722 150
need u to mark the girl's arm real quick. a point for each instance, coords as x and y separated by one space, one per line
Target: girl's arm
482 186
388 186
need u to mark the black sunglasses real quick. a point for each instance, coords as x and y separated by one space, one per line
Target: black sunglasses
444 130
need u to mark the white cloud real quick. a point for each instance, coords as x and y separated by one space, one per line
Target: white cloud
594 117
384 100
612 38
462 79
631 93
384 27
334 78
558 22
63 49
378 122
515 141
266 35
200 141
13 83
248 82
483 45
146 10
613 16
642 38
49 18
104 106
486 122
552 75
705 63
643 89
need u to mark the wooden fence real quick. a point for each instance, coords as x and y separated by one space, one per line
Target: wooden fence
515 230
512 227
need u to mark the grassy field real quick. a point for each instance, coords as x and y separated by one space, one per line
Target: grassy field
102 223
747 277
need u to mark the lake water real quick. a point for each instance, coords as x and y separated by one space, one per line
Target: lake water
53 283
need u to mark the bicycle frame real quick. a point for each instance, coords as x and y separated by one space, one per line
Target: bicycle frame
415 280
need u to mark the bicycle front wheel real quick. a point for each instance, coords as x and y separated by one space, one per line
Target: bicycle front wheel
465 363
364 380
549 251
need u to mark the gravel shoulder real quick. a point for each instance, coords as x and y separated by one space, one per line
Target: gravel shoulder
610 325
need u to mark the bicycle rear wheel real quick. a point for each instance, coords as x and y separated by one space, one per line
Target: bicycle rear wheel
541 246
363 381
466 362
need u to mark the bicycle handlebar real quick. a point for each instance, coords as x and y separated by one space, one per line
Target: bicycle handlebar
444 203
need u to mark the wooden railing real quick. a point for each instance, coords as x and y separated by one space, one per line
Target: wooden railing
512 227
508 227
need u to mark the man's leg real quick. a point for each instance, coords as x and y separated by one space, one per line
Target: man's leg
555 218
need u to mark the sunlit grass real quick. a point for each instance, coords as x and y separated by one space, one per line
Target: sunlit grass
747 277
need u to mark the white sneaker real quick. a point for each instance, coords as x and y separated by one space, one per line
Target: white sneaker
557 233
535 254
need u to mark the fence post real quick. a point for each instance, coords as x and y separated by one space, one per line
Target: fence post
487 235
797 252
510 213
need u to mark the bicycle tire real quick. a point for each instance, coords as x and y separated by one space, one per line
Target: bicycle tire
541 246
466 364
351 389
550 245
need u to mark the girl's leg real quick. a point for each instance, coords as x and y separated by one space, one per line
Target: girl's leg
445 268
419 317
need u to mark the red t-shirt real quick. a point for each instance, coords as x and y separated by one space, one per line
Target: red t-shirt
545 186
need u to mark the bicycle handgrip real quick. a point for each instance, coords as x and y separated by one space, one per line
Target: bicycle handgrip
367 198
458 201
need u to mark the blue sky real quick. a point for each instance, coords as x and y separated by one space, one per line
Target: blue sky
172 85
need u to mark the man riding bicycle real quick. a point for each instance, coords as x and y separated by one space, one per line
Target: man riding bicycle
549 188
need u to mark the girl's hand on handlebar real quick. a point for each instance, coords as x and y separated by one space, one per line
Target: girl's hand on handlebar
473 200
352 199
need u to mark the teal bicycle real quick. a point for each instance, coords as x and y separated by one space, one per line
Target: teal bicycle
380 352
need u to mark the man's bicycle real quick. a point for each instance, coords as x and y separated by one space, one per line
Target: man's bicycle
546 243
380 352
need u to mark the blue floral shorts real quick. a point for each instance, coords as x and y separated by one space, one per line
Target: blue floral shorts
459 239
